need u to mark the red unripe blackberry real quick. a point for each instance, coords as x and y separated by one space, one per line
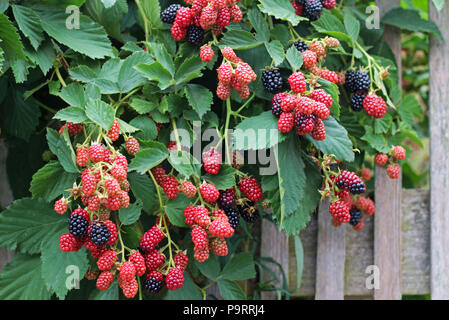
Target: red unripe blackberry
321 96
120 159
199 238
201 255
236 84
206 53
381 159
189 215
289 102
201 216
349 181
319 131
112 229
229 54
366 174
112 187
104 280
321 111
223 91
244 93
375 106
331 42
181 260
89 184
158 173
221 228
189 189
251 189
223 17
114 132
153 260
360 225
107 260
212 161
82 156
93 203
224 73
208 17
72 128
170 186
298 8
183 17
318 48
394 171
61 206
304 123
198 5
340 211
113 203
329 4
218 4
151 239
68 242
399 153
245 74
132 146
96 152
209 192
174 279
226 198
91 275
130 288
276 108
178 33
127 271
366 205
309 58
219 247
236 14
328 75
286 122
297 82
306 105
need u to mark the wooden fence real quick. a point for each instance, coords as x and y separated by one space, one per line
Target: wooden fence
407 238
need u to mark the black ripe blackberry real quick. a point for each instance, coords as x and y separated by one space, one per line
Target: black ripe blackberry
301 46
357 187
312 9
249 212
195 34
78 226
169 14
152 285
362 81
233 216
99 233
349 82
226 198
276 104
272 80
357 101
356 216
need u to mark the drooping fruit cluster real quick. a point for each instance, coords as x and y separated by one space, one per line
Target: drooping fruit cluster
312 9
396 154
203 15
235 74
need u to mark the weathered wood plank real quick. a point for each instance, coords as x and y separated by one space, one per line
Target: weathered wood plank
439 148
360 251
330 257
274 245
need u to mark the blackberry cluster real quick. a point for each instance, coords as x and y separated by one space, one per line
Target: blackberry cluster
226 198
78 226
152 285
249 212
99 233
312 9
233 216
195 35
349 181
272 80
357 101
169 14
356 216
301 46
357 188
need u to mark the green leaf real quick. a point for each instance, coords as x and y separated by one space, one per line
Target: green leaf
63 150
230 290
51 181
280 9
143 189
161 55
409 109
294 57
259 24
258 132
156 72
352 25
331 25
146 125
126 128
90 39
152 11
44 57
11 45
175 210
148 158
189 69
376 141
240 267
110 294
408 19
188 291
30 24
107 13
21 279
143 106
101 113
225 178
20 70
71 114
57 266
383 125
185 164
210 268
200 98
239 40
276 51
131 214
337 141
332 89
74 95
27 223
129 77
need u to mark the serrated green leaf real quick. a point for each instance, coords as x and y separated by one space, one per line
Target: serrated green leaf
259 24
57 266
21 279
280 9
184 163
143 106
101 113
44 57
331 25
188 291
107 13
175 210
71 114
376 141
240 267
126 128
200 98
148 158
152 10
210 268
129 77
61 149
230 290
294 57
156 72
143 189
148 129
161 54
110 294
225 178
131 214
383 125
30 24
73 94
239 40
276 51
11 45
352 25
189 69
26 223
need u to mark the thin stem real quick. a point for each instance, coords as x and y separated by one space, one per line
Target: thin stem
58 74
161 203
43 106
145 22
245 104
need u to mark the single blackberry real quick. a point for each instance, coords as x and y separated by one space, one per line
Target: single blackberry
301 46
195 34
357 101
234 217
152 285
361 81
356 216
249 212
99 233
272 80
226 198
357 188
349 83
312 9
169 14
78 226
276 104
